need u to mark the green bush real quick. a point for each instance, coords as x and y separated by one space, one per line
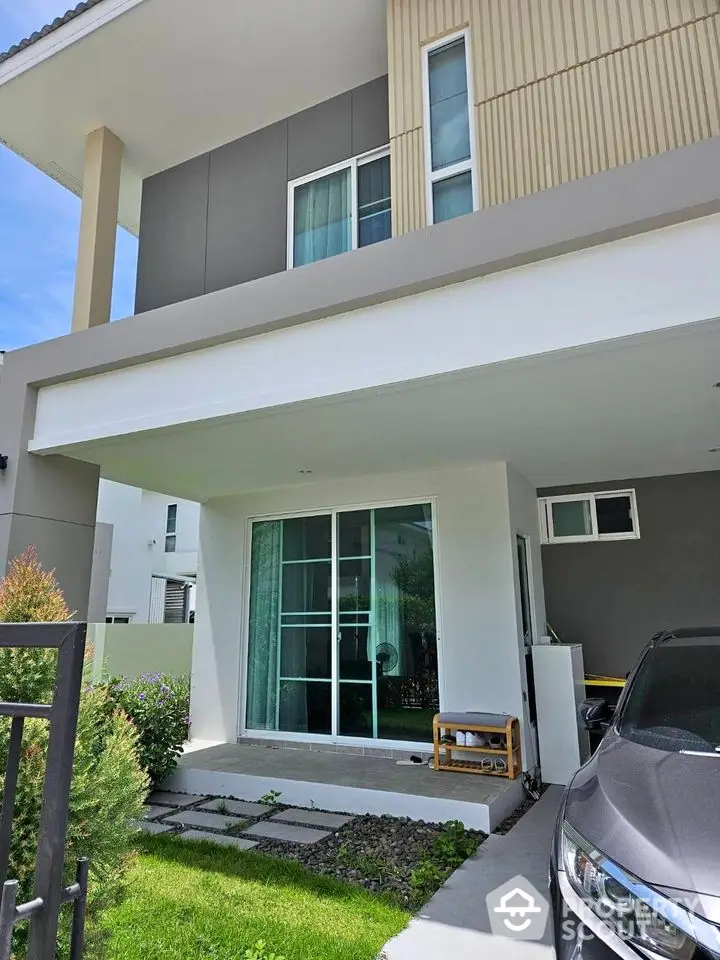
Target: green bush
108 790
158 706
108 786
450 849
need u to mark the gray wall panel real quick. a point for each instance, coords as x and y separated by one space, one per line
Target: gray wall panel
613 596
173 228
221 219
320 136
247 209
370 116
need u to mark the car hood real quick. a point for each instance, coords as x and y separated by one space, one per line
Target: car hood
654 813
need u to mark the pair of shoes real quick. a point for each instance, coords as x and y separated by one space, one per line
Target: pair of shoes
497 742
475 739
494 765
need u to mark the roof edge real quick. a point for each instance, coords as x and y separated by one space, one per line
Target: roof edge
49 28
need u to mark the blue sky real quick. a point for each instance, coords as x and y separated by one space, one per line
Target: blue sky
39 225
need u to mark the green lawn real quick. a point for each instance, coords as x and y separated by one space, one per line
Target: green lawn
198 900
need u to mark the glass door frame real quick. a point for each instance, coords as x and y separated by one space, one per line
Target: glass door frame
334 736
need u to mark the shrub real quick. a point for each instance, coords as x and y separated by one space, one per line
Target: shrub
108 786
29 594
158 706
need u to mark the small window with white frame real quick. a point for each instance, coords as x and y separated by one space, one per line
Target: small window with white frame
171 528
450 142
122 618
588 517
340 208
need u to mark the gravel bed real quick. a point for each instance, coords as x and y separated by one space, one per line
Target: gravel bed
377 853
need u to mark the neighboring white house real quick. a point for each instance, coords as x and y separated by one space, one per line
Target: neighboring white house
146 555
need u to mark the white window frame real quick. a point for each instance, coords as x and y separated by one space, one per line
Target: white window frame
119 619
352 165
435 176
292 514
545 512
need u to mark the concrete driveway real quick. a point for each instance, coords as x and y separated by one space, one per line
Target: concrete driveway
456 923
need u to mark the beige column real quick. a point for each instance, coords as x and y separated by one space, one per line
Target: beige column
98 227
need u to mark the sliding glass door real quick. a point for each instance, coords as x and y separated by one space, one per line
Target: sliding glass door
342 636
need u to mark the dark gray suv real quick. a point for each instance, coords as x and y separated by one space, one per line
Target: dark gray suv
635 869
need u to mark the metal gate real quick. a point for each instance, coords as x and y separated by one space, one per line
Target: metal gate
49 894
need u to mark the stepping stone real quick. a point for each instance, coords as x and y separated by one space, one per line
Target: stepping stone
240 808
154 812
147 826
174 799
283 831
222 838
206 821
313 818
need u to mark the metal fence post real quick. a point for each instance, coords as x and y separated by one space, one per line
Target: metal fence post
7 916
50 895
42 942
8 806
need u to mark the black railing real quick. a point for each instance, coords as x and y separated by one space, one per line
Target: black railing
49 894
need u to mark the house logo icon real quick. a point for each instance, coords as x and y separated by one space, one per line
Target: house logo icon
517 910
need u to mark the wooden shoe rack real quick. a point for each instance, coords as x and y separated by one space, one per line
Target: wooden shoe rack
462 759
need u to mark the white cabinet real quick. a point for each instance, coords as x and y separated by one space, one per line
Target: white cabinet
559 691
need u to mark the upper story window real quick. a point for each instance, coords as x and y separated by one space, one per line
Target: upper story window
339 209
582 518
171 528
450 137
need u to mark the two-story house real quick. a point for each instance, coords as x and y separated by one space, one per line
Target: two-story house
427 303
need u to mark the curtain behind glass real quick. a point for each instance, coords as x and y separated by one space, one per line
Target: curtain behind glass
322 218
264 632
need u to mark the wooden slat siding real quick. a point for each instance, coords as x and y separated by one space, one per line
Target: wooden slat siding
563 88
639 101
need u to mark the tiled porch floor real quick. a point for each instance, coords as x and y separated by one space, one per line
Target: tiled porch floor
373 773
347 783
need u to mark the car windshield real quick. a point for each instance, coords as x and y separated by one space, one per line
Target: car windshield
674 703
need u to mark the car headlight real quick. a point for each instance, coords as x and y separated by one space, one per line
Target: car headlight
636 914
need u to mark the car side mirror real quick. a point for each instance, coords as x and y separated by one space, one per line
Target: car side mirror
595 713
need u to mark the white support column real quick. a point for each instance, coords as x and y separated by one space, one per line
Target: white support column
98 227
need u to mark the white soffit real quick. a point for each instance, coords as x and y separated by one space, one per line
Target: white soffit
174 78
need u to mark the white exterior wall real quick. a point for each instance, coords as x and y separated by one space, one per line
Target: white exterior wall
477 619
620 289
523 515
129 588
138 545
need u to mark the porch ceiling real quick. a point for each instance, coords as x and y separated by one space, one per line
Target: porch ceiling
642 406
174 78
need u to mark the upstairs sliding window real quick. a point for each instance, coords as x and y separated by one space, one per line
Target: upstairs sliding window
450 137
339 209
